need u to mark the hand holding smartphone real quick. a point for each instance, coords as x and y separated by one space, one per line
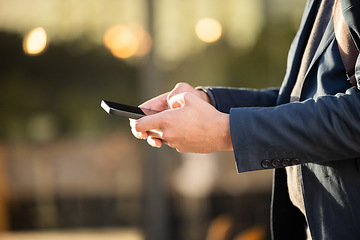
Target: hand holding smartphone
124 110
132 112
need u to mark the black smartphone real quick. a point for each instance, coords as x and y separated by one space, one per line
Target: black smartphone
124 110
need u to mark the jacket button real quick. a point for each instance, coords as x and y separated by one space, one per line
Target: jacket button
266 163
295 161
276 162
285 162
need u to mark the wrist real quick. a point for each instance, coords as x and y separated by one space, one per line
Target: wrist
224 124
209 98
203 95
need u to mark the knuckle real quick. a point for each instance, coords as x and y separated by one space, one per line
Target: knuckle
183 85
171 140
166 136
188 96
180 84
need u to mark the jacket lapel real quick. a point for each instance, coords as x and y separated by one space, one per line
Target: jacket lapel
351 9
296 51
328 36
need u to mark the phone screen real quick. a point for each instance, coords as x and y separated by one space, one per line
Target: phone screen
124 110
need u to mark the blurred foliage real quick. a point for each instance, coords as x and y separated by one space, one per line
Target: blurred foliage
220 65
64 83
68 81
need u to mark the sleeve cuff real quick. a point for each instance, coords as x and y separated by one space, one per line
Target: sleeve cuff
209 93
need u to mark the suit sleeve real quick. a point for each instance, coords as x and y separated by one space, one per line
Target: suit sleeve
227 98
322 129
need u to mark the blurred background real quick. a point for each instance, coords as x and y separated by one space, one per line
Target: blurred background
70 171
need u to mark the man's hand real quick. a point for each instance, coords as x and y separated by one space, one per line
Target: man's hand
160 103
184 87
189 124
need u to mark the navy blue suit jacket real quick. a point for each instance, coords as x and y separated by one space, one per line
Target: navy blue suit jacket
320 134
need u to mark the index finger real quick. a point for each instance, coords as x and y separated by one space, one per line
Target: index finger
158 103
151 122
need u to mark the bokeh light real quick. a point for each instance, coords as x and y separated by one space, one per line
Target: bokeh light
35 41
125 41
208 30
144 37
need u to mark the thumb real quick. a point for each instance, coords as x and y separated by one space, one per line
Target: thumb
180 88
150 122
182 99
177 101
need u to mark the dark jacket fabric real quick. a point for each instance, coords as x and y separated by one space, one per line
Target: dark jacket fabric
320 134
